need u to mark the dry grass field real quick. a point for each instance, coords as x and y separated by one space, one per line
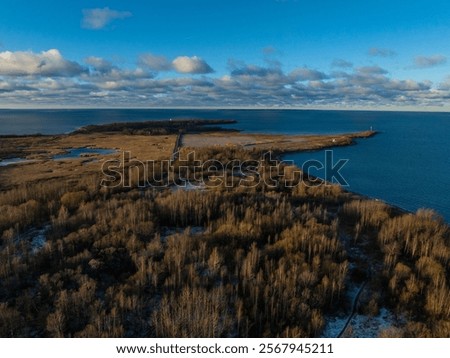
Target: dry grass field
39 150
266 142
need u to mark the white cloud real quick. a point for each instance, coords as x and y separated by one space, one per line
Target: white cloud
306 74
429 61
96 19
181 64
46 63
338 62
154 62
269 50
381 52
99 94
194 65
244 70
99 64
445 84
372 70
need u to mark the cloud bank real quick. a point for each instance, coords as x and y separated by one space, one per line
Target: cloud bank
48 79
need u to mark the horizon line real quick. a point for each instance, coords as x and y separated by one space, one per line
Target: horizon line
312 108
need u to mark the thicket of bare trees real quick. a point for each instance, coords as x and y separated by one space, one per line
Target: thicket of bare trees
415 269
132 262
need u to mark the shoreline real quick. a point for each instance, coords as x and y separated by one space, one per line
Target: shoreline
197 133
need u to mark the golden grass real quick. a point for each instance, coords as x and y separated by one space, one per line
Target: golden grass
41 149
266 142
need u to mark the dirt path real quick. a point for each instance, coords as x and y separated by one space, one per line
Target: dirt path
176 148
354 307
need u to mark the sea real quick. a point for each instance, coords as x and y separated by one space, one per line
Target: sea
406 164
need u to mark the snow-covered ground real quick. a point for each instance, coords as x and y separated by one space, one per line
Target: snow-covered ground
188 186
11 161
370 327
39 238
36 237
169 231
335 323
360 326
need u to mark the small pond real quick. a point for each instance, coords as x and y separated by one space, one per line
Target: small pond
79 152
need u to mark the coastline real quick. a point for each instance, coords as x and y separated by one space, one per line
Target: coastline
265 243
197 133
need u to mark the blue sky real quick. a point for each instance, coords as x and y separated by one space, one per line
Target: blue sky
205 53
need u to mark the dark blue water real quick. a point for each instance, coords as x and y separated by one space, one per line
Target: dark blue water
407 164
64 121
